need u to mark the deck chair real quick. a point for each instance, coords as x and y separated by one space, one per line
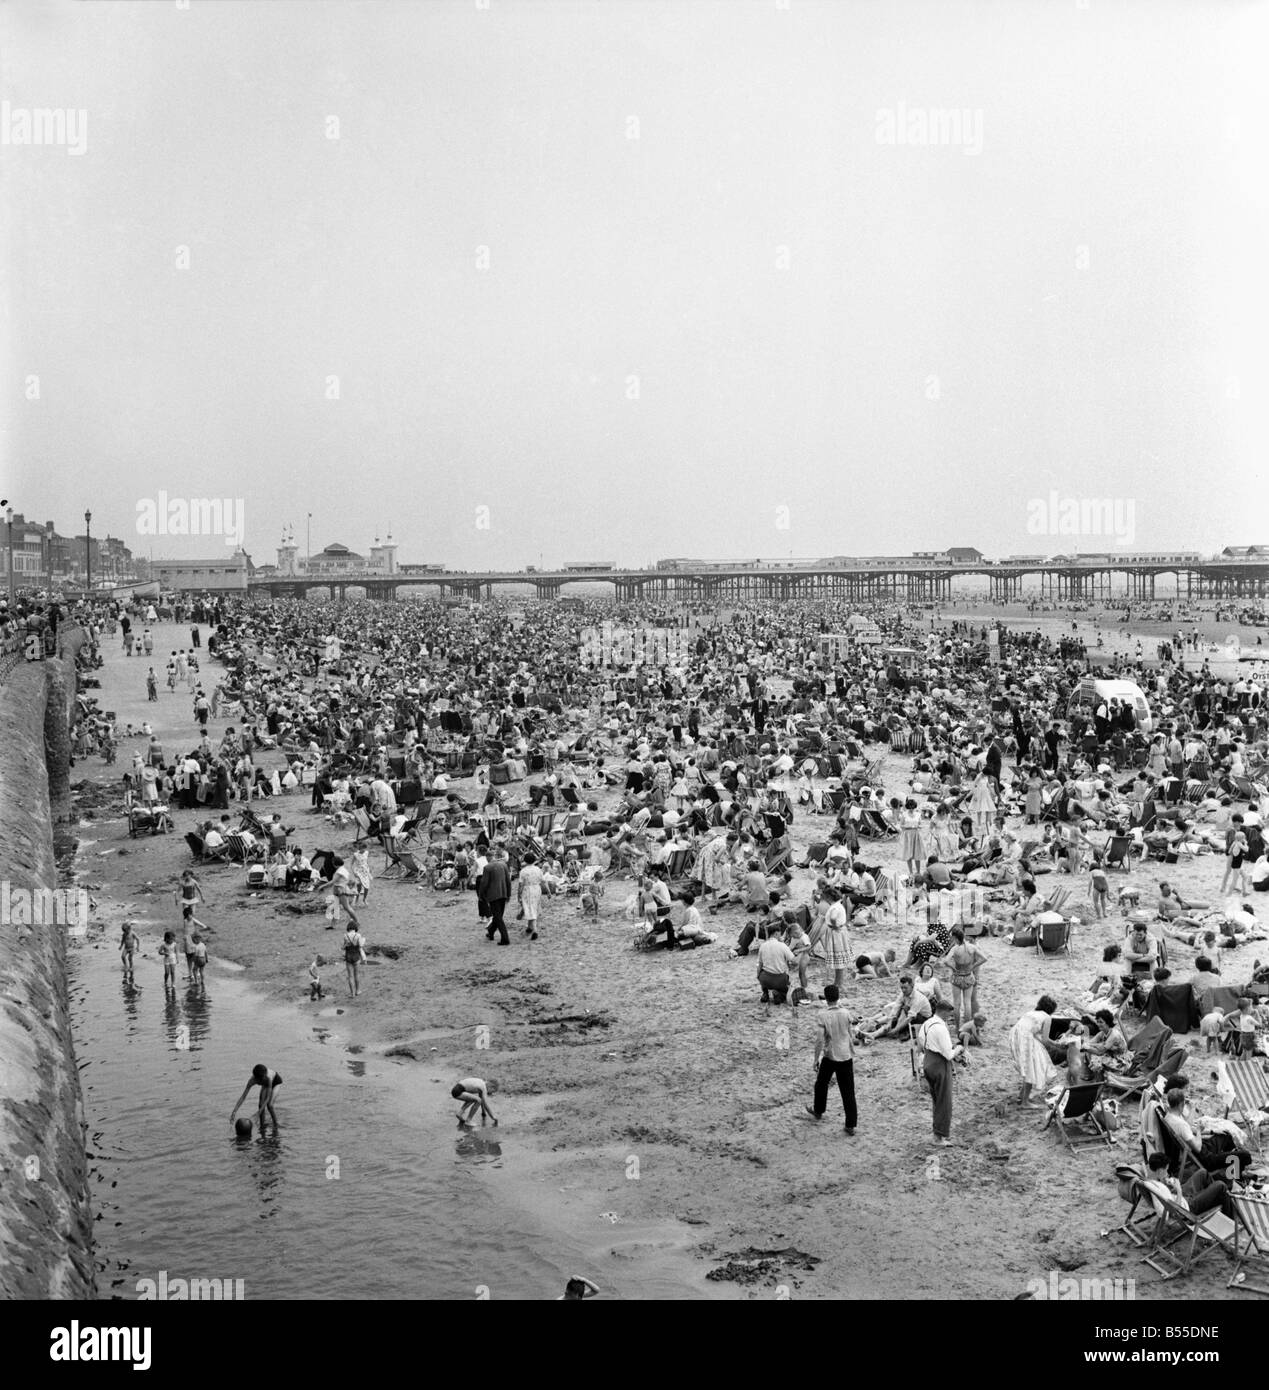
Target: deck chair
365 830
1077 1123
1056 900
776 856
1052 937
1181 1239
1118 853
1251 1218
816 854
257 875
570 797
1251 1094
1139 1225
199 850
236 847
679 865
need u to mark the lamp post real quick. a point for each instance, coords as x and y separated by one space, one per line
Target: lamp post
4 502
88 552
308 544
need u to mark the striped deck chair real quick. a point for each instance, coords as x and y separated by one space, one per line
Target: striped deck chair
1251 1093
1251 1217
1196 790
1181 1239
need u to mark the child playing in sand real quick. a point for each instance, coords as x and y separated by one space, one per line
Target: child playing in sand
314 980
876 965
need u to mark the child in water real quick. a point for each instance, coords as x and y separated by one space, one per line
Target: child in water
200 959
167 954
127 949
268 1082
474 1094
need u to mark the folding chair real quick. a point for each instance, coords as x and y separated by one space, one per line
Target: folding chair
364 828
817 853
679 866
1074 1110
1251 1094
1181 1239
1251 1216
1118 853
1056 900
1052 937
1142 1218
776 856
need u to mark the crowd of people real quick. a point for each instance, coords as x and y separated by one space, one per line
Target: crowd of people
935 789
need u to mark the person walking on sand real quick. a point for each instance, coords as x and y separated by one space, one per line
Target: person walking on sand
268 1082
354 957
834 1057
151 686
530 892
474 1094
939 1054
494 889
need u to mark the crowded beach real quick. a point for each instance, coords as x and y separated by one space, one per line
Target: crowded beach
978 911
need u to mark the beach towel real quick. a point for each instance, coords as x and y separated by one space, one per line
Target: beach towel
1174 1005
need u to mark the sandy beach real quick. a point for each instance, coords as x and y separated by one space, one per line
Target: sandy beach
659 1087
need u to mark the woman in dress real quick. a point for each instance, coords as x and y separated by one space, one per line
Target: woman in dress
933 946
530 893
982 806
911 842
1027 1041
1035 801
835 940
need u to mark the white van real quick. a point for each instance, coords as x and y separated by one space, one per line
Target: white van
1090 693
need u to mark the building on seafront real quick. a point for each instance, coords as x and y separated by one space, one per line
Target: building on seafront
224 573
335 559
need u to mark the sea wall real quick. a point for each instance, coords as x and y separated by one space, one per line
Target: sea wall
45 1216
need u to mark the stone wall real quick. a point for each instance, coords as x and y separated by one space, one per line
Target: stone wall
45 1216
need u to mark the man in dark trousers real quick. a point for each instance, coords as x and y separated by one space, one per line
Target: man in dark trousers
834 1060
493 889
1051 739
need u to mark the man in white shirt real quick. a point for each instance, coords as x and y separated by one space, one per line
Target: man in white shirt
834 1057
936 1043
775 960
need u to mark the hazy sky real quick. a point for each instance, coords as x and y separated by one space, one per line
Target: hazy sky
635 276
